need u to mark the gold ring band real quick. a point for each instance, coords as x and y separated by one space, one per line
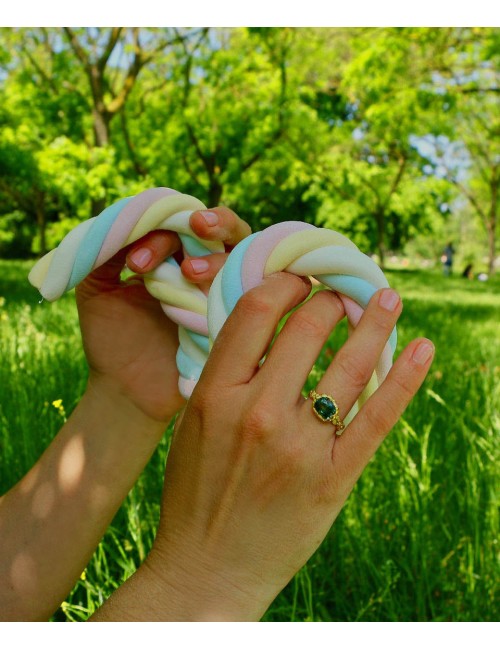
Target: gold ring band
326 409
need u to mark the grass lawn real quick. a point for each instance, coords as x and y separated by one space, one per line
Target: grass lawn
418 538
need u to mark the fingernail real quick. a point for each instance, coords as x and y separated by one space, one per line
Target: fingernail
211 219
388 299
199 266
141 257
423 353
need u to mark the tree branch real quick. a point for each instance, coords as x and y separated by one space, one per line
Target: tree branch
114 37
191 173
139 168
372 187
470 91
132 73
179 38
258 155
77 49
194 140
44 75
395 183
11 190
471 198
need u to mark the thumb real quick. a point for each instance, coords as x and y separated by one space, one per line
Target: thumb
104 278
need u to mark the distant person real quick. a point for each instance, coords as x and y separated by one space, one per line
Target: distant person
468 273
447 258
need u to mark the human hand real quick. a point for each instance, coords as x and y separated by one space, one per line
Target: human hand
129 342
254 480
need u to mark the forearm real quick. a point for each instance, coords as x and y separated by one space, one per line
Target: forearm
53 519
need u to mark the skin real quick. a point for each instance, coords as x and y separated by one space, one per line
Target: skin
53 519
254 480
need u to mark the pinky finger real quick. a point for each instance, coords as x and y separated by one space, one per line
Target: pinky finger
380 413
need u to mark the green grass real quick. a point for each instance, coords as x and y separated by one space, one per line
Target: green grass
417 540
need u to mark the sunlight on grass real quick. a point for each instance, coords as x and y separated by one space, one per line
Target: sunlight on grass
418 538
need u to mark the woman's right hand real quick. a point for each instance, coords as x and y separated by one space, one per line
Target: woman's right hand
254 479
129 342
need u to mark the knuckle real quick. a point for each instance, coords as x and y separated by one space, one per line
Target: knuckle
404 390
310 325
245 228
381 420
255 303
199 403
258 422
349 366
217 261
382 321
330 300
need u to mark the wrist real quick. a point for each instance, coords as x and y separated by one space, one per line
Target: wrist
201 593
108 395
120 439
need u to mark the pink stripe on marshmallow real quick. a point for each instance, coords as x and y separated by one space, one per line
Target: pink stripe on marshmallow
188 319
126 220
254 262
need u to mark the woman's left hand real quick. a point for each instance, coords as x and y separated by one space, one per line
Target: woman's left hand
254 479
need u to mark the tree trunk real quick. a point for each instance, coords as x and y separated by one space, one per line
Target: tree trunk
380 219
101 138
42 226
491 226
214 193
101 127
491 247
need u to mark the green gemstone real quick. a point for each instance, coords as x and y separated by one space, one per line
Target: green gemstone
325 408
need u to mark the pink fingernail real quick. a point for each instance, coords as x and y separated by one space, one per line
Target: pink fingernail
388 299
141 257
423 353
211 218
199 266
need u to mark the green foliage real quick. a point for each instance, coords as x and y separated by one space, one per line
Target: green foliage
354 128
418 538
16 235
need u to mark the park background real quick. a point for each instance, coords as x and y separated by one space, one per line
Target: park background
389 135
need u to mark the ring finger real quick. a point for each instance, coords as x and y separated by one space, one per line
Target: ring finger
354 364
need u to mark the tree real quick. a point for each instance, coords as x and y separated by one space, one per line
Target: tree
231 125
92 71
374 169
323 125
468 156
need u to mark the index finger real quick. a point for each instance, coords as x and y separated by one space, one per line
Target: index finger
248 331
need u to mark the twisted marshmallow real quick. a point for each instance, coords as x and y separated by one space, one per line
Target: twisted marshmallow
95 241
303 249
293 246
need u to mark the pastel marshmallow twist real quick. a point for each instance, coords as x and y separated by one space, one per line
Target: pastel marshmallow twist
303 249
293 246
95 241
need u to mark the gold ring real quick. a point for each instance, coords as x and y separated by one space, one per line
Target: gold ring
327 410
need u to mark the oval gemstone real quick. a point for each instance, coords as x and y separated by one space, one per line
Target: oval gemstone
324 407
